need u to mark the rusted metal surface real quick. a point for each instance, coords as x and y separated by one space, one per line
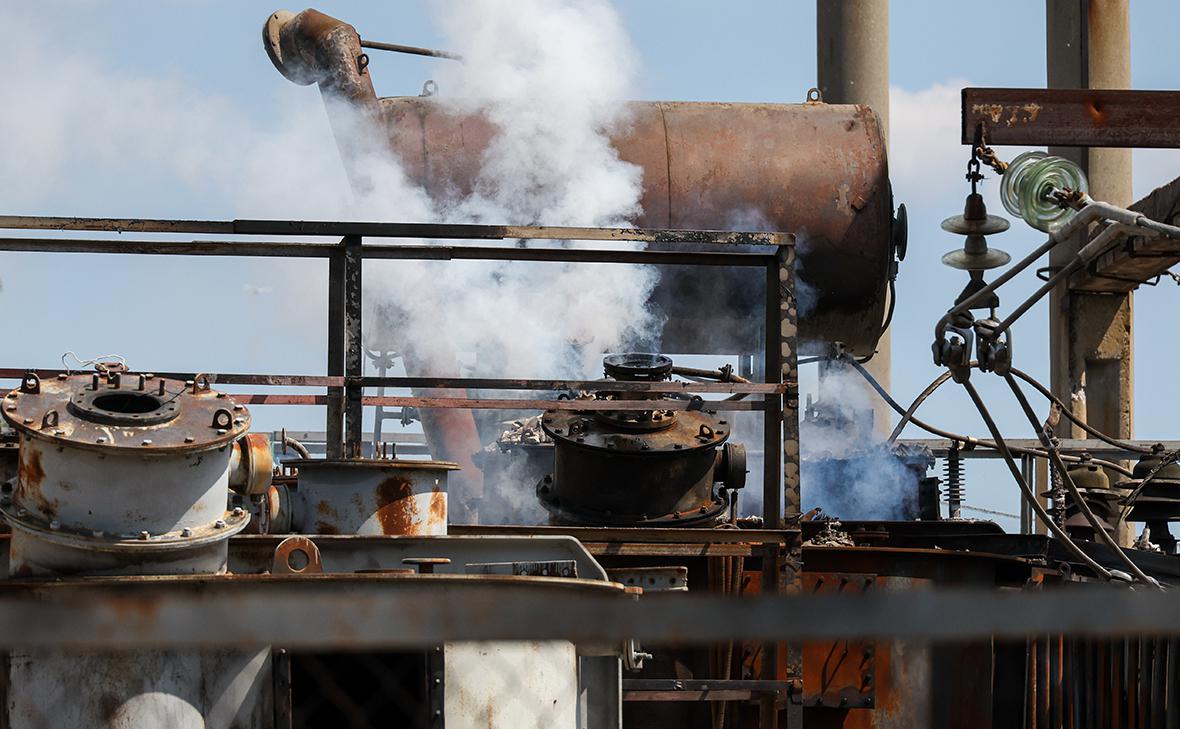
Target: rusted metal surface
251 463
839 674
430 231
1072 117
653 467
1137 260
371 496
89 443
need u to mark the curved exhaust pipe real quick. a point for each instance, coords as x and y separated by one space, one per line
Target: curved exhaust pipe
313 48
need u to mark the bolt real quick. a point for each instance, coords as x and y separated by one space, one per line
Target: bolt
10 408
188 383
722 422
61 377
219 524
221 396
98 533
186 532
677 446
148 376
145 535
868 701
189 439
238 511
221 431
28 421
238 407
703 509
55 525
94 382
22 512
100 439
843 701
59 432
147 442
819 701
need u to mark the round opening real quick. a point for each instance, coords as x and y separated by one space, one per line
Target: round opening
298 560
127 403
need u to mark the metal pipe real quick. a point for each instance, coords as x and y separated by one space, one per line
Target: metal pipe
411 50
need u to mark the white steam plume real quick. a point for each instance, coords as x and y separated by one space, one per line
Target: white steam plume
551 75
847 470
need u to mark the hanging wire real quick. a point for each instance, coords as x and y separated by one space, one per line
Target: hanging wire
1029 496
1067 480
1065 410
968 440
1165 460
83 363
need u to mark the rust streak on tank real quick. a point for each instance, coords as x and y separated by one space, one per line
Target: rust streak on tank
397 512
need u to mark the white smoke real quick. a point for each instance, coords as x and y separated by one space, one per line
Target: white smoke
552 76
846 469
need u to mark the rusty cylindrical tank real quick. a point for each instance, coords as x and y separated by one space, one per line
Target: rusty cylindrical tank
813 169
652 467
125 474
370 496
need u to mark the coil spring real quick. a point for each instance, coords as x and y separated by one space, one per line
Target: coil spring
953 472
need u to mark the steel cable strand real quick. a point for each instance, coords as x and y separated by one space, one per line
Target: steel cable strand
1026 490
1067 480
1125 445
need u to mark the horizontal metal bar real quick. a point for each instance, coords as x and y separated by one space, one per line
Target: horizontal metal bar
1096 448
623 534
480 383
470 403
433 231
352 612
1072 117
383 252
671 689
412 50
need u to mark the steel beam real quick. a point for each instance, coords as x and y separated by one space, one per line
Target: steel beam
354 352
1138 260
437 231
1089 117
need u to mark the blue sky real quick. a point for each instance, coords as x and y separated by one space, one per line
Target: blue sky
165 109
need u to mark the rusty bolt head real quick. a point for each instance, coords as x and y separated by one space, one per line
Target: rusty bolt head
189 439
61 376
146 442
219 524
10 408
148 376
238 407
186 532
145 535
722 422
221 396
100 439
28 421
59 432
238 511
221 431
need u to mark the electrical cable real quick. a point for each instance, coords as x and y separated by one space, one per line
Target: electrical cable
968 440
1054 458
921 398
1125 445
1029 496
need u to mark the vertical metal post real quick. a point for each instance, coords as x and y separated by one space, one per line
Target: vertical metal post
354 355
1026 512
1090 335
772 481
852 67
334 428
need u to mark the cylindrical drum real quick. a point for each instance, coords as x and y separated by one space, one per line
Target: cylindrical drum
126 474
121 474
816 170
371 496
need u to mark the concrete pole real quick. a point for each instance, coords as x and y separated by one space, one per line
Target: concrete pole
1090 336
852 67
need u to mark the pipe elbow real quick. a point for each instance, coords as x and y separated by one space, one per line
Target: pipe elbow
313 48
